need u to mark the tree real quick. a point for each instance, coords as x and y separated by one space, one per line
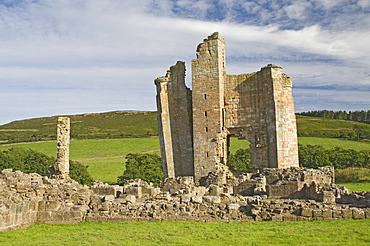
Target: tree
313 156
79 172
240 161
25 160
147 167
32 161
361 132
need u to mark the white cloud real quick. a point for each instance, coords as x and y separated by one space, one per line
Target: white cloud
329 4
364 4
78 56
297 10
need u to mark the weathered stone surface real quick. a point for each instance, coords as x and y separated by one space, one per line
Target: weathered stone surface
131 198
23 202
233 207
195 125
307 212
60 169
197 199
358 214
212 199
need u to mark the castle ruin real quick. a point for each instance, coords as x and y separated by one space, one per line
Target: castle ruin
60 169
195 125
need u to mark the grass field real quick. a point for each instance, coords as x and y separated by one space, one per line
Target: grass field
119 124
330 143
340 232
115 124
93 148
357 186
107 170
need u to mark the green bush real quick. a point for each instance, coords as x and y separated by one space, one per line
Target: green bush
240 161
314 156
353 175
25 160
31 161
79 172
147 167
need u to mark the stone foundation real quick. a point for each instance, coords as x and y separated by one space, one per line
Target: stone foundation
295 194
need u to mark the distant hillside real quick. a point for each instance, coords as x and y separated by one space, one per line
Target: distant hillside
117 124
309 126
122 124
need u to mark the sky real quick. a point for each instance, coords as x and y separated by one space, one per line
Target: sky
61 57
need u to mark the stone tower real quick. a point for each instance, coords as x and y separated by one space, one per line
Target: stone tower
209 80
195 126
60 169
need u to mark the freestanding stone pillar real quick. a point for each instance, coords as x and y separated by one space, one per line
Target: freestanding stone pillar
60 169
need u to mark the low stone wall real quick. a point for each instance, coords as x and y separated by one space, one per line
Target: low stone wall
221 208
29 198
276 195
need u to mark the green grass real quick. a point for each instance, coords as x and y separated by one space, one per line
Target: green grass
357 186
118 124
330 143
106 170
321 127
341 232
92 148
236 144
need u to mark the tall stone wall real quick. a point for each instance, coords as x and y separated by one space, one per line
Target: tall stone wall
174 121
257 106
208 91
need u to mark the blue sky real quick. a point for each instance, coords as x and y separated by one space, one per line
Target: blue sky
79 56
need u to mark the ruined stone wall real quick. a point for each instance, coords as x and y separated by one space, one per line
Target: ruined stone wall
60 169
257 106
174 120
268 194
29 198
209 77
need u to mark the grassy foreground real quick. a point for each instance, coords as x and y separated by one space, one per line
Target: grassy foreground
339 232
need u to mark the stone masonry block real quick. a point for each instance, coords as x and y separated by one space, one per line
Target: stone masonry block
358 214
307 212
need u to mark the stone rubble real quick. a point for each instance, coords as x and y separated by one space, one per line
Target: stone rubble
29 198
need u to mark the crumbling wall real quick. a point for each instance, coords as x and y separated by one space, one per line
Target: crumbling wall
60 169
258 107
208 90
29 198
174 121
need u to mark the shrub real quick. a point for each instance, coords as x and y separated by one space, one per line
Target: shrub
31 161
147 167
240 161
353 175
79 172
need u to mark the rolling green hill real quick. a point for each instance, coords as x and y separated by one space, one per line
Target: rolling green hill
117 124
128 124
320 127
